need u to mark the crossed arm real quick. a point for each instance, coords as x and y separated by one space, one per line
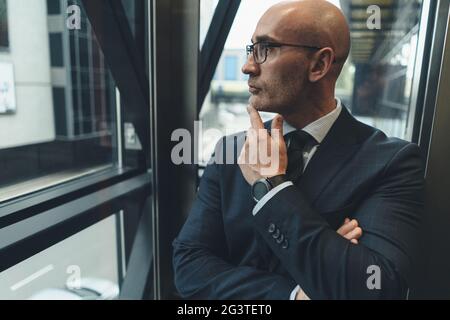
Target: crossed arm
350 230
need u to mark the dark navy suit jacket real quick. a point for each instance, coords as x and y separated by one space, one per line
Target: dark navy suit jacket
224 252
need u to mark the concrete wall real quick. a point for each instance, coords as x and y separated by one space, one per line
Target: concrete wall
29 52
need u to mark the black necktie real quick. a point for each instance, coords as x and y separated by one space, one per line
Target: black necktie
297 141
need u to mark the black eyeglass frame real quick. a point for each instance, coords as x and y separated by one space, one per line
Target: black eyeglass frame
250 48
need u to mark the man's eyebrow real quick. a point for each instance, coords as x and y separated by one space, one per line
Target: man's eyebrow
263 38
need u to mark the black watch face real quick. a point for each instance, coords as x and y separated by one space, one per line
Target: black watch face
260 189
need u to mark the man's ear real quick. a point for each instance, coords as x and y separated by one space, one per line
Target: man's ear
321 63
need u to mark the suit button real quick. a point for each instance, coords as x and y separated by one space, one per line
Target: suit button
285 244
272 228
280 239
276 235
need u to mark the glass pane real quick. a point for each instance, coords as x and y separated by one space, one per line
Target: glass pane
136 14
53 274
53 7
231 67
207 9
224 110
375 84
377 81
3 25
130 12
58 99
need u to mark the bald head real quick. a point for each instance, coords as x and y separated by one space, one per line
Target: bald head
313 22
298 77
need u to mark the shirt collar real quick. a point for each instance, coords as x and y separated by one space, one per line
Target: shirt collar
319 128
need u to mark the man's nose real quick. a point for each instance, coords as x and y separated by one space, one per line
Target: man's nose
250 67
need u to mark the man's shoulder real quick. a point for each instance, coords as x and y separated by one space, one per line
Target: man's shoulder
379 143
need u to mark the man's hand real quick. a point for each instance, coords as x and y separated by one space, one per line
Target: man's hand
349 230
264 155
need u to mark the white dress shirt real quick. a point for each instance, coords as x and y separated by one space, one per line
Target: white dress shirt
318 130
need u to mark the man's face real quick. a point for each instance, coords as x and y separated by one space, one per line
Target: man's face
277 84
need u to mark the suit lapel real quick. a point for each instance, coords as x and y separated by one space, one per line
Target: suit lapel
338 147
341 142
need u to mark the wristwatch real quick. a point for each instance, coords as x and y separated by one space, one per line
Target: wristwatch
262 187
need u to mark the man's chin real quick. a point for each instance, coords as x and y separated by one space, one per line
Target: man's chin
259 105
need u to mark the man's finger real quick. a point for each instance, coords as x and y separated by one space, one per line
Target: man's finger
347 227
252 146
243 156
354 241
255 118
354 234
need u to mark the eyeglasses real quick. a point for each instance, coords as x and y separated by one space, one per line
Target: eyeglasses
260 49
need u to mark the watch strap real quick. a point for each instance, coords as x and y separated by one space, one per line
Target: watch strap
277 180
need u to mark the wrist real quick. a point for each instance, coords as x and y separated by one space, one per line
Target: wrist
277 180
263 186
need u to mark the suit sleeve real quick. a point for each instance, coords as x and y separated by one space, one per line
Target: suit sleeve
200 255
326 265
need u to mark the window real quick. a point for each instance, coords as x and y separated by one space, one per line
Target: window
375 84
68 100
4 40
59 101
224 108
207 9
231 68
56 50
54 274
136 11
53 7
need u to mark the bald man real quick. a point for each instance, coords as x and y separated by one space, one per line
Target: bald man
264 226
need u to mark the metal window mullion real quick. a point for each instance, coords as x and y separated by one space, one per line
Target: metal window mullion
153 89
27 228
420 68
434 71
119 131
90 38
77 68
44 199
